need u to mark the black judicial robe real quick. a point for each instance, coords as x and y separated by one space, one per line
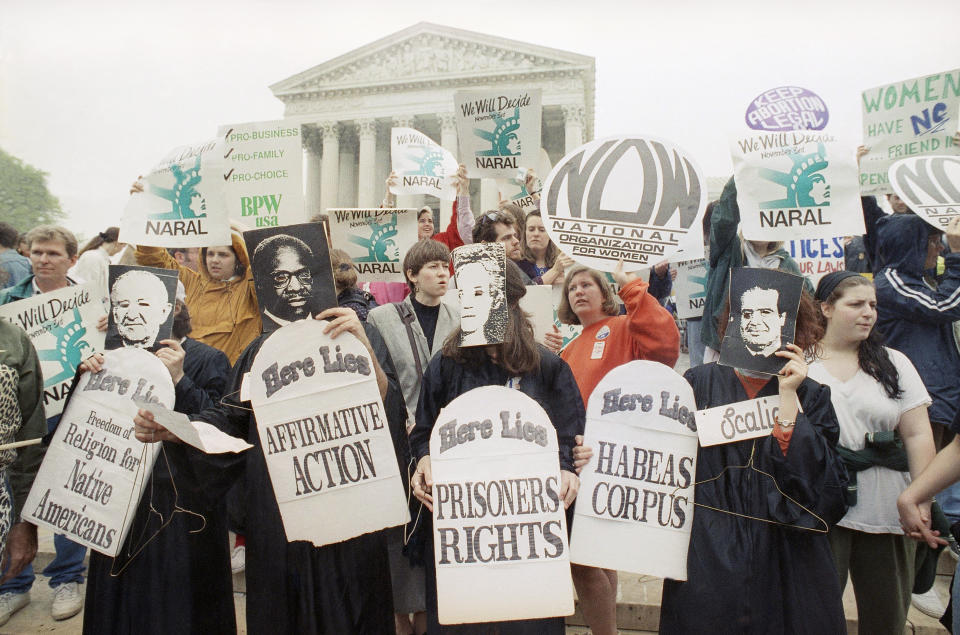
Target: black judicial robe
180 582
555 389
294 587
748 576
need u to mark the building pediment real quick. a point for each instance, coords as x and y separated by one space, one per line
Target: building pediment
428 53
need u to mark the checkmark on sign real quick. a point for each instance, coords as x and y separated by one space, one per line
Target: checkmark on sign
228 134
228 153
227 175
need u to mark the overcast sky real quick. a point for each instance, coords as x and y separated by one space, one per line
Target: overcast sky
96 92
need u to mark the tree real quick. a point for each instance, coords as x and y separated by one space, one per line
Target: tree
25 201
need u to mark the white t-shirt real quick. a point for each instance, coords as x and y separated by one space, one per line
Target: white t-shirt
862 406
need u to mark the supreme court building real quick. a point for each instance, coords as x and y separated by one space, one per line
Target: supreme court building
347 106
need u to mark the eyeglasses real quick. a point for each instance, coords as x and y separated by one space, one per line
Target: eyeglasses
282 278
493 217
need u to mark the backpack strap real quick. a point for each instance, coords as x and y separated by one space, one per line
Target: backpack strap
407 317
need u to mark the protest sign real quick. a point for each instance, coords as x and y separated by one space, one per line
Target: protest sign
816 257
514 187
481 282
141 306
763 318
199 434
690 287
374 239
263 172
499 529
182 203
62 326
635 509
904 119
422 165
568 332
498 130
291 272
538 302
325 436
787 108
630 197
737 421
930 186
796 184
95 470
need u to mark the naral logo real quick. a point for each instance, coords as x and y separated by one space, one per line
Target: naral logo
803 184
930 185
503 140
71 349
185 200
381 246
430 163
633 198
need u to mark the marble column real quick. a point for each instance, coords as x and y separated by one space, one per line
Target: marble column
367 166
348 170
448 139
574 118
382 161
330 165
313 146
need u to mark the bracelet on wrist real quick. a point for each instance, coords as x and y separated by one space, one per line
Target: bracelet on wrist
784 424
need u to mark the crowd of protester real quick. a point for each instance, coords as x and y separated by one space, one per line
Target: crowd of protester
868 395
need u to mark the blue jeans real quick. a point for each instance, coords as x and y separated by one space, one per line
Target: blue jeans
949 500
67 566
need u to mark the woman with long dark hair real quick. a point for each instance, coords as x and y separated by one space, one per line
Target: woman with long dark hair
759 558
533 370
876 392
542 260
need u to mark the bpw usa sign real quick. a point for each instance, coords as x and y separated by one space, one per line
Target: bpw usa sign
630 197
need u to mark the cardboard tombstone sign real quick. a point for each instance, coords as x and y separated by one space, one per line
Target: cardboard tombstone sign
763 318
95 470
690 287
796 185
62 326
325 436
930 186
375 240
499 527
142 303
908 118
632 197
481 283
291 272
422 165
787 108
635 507
263 172
182 203
499 130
